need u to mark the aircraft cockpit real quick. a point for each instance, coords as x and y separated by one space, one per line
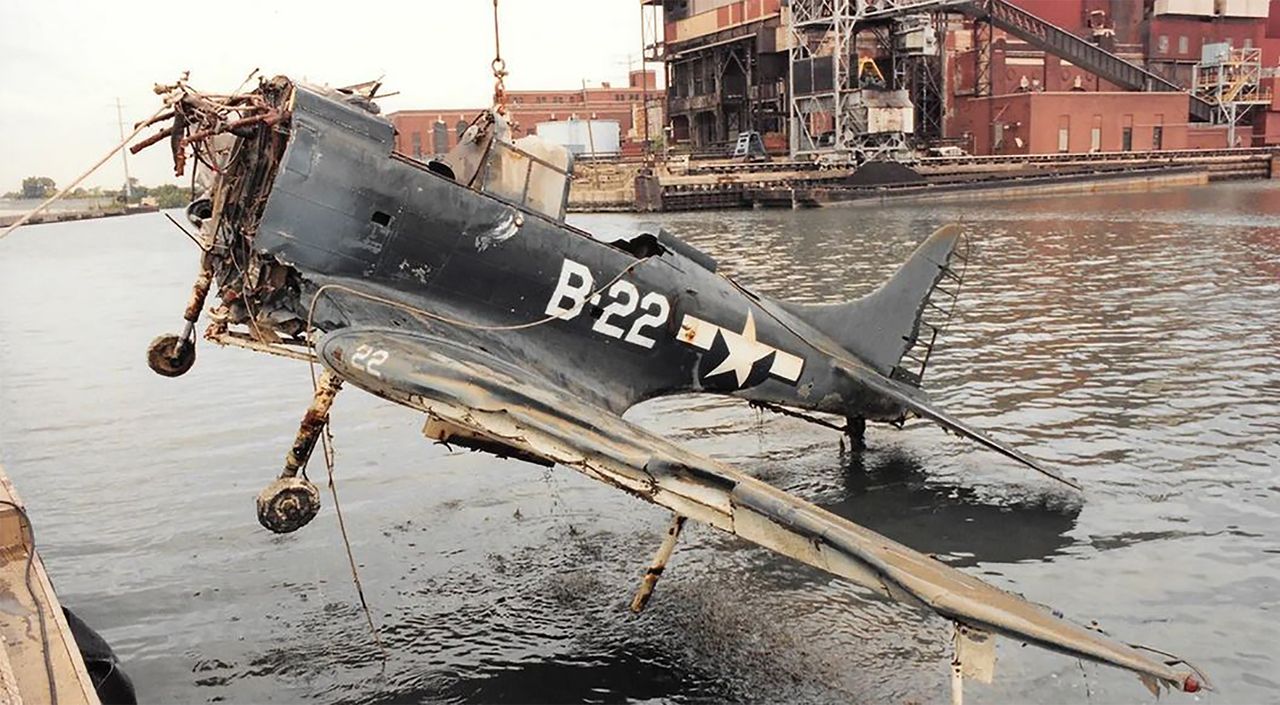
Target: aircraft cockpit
528 173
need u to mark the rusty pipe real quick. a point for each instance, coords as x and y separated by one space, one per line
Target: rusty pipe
159 118
151 140
268 118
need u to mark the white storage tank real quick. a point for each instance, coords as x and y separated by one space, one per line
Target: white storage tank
1243 8
581 136
1196 8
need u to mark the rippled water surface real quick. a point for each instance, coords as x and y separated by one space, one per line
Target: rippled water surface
1130 340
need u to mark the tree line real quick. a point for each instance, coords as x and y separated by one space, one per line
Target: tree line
165 195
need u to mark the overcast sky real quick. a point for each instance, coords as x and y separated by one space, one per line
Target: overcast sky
63 63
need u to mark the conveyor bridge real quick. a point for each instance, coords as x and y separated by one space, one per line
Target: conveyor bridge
1048 37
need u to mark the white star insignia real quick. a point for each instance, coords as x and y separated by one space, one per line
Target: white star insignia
744 350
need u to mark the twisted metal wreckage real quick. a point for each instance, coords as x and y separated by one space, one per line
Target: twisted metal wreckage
455 287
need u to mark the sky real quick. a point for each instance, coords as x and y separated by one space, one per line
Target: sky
64 63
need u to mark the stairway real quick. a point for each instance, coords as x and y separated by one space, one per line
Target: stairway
1088 56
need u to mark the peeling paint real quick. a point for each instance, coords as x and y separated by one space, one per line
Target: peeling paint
503 231
420 272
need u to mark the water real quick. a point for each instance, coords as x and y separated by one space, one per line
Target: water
1129 340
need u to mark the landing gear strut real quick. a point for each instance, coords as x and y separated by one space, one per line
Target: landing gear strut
659 564
291 502
855 429
172 355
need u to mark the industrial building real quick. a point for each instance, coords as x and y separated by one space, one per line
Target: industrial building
853 80
424 133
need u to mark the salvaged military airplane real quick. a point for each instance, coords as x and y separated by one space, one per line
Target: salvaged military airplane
456 288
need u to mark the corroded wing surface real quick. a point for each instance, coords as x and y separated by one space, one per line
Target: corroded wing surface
470 394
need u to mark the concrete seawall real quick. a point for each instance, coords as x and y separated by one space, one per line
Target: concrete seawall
66 215
1115 183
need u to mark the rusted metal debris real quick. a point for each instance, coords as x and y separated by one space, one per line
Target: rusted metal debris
313 422
237 142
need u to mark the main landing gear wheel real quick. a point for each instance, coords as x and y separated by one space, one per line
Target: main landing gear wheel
288 504
170 355
173 355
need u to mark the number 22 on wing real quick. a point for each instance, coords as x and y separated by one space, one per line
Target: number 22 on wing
368 359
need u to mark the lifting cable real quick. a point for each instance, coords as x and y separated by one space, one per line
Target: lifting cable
499 68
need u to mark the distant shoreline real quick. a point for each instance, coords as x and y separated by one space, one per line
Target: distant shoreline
9 216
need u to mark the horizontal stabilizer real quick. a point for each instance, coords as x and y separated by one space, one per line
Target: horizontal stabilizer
918 403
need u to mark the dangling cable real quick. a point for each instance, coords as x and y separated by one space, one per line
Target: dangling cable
326 441
499 68
24 522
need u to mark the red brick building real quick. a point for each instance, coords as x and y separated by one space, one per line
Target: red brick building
1094 115
1077 122
727 72
423 133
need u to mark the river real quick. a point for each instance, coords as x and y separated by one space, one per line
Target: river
1129 340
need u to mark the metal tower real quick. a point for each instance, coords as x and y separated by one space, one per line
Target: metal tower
835 112
1231 81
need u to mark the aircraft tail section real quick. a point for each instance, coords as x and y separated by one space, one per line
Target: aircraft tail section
893 328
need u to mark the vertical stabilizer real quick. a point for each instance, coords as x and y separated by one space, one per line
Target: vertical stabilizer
895 322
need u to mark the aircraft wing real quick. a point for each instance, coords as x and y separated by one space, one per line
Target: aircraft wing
478 400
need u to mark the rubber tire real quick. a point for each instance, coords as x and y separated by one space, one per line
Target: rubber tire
162 361
288 504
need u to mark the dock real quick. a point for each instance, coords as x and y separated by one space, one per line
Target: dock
687 183
40 661
89 214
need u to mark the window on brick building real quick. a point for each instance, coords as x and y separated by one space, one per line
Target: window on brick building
1064 133
440 137
1162 44
1157 133
1095 135
1126 134
417 144
1183 44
